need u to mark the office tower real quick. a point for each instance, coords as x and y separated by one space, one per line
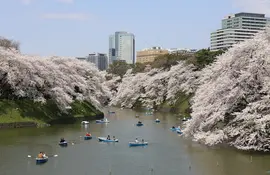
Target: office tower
122 47
236 28
99 59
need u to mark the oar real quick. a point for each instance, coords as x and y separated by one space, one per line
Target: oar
55 155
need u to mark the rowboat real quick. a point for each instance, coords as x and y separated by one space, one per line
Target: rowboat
139 124
63 143
103 121
179 132
85 122
131 144
42 160
103 139
87 137
157 120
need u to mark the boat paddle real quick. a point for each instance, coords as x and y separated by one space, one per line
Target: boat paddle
55 155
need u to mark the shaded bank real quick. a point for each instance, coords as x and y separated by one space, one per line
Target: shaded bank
26 113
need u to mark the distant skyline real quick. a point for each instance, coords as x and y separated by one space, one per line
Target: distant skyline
78 27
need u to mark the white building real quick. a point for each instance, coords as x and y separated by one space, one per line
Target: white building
122 47
181 50
236 28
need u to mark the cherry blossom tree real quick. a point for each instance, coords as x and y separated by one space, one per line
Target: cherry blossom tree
153 88
232 102
62 80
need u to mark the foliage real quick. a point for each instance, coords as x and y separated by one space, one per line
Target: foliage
61 80
138 67
168 60
232 101
205 57
27 110
119 68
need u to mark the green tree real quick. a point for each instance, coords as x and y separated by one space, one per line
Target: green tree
168 60
138 67
119 68
205 57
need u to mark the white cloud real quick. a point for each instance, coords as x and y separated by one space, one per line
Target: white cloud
66 1
257 6
66 16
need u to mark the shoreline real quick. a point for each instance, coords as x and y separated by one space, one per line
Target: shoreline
32 124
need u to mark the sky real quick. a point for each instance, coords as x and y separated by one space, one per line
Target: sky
79 27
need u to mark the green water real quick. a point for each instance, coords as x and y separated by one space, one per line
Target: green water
167 152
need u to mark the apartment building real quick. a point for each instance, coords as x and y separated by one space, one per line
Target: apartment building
237 28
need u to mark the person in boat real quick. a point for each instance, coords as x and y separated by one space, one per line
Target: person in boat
173 127
88 134
44 155
109 137
136 140
40 155
139 122
62 140
113 137
142 140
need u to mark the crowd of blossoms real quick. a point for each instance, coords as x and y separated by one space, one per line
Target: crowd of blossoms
154 87
62 80
232 103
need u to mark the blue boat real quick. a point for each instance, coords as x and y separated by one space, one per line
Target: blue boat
139 124
42 160
87 137
63 143
103 139
131 144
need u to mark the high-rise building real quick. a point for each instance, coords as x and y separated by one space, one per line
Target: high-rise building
236 28
112 53
99 59
122 47
148 55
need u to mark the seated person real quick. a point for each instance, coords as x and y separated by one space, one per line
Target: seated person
173 127
136 140
108 138
40 155
142 140
139 122
113 137
62 140
88 134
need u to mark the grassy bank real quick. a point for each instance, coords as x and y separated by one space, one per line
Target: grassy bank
27 110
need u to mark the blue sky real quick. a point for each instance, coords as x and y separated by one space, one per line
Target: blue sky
79 27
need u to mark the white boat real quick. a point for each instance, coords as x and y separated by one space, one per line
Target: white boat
105 120
85 122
